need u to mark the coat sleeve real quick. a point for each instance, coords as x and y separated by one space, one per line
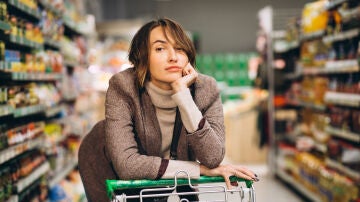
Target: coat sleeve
208 142
120 137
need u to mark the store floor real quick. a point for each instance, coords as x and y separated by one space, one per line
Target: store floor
269 188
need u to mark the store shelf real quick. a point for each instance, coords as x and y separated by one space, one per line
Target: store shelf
347 66
352 173
333 4
354 137
321 147
10 77
4 26
63 173
71 28
26 111
18 149
5 66
341 36
50 141
50 7
311 36
52 111
52 44
308 105
313 106
22 41
345 99
28 180
298 76
350 15
24 76
342 66
5 110
24 8
283 48
301 188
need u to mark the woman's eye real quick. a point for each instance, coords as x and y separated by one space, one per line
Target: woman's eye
159 49
179 49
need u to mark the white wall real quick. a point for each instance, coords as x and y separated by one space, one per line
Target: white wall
223 25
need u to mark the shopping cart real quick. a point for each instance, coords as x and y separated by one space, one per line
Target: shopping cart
166 187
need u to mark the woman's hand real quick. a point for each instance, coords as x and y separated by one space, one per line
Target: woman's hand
227 171
188 78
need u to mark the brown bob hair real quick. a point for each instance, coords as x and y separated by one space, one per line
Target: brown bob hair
140 46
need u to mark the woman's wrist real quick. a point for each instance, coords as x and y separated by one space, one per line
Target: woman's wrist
203 170
177 87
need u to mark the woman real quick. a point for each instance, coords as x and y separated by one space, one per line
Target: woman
161 115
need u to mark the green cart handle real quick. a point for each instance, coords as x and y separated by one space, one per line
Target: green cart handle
112 185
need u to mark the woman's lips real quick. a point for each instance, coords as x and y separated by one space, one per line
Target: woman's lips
173 69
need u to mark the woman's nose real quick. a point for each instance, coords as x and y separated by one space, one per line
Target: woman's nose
173 55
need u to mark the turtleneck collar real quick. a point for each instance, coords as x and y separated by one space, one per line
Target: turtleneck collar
161 98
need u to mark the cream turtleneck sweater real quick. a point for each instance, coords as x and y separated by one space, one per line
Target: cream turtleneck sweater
165 103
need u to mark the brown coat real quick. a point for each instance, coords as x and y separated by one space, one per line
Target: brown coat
94 165
132 132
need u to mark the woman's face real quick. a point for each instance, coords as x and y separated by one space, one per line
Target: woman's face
166 59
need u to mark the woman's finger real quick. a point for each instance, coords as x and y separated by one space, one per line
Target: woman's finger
240 172
227 181
243 175
231 171
189 79
247 174
186 71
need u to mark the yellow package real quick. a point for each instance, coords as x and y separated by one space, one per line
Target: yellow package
314 17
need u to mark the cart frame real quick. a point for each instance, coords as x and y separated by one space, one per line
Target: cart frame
171 184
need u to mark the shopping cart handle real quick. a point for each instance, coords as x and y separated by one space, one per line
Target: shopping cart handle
112 185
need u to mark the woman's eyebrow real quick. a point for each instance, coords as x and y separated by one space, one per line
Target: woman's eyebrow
159 41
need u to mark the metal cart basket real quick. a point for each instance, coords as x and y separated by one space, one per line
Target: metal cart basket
166 187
